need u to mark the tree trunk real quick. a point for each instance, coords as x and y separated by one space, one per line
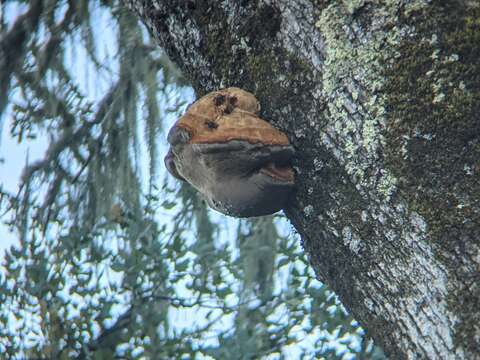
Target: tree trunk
381 99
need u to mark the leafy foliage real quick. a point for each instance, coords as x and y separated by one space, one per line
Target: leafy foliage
109 264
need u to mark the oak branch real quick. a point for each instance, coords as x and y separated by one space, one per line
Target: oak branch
381 100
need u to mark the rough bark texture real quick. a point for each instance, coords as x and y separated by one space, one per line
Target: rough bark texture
381 99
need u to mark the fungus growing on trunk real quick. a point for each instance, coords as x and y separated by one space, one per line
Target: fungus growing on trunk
238 161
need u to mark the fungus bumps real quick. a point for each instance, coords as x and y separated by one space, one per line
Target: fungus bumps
239 162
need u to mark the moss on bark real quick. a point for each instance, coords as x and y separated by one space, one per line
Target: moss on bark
433 143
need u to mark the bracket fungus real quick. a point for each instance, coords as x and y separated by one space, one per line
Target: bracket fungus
239 162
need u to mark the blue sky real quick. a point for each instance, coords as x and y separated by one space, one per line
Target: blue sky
14 156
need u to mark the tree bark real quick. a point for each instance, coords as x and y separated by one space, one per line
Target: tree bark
381 100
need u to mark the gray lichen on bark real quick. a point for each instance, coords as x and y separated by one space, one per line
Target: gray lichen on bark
381 100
